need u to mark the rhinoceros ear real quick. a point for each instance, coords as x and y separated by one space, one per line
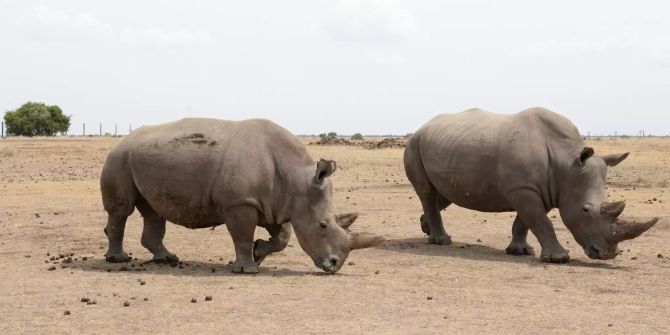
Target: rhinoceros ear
613 160
586 153
324 168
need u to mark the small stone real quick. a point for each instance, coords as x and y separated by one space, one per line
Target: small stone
659 256
143 282
92 302
208 298
67 260
230 288
633 258
377 272
66 313
108 270
123 268
126 304
84 258
146 299
479 240
194 300
213 270
429 298
610 325
352 263
85 300
51 268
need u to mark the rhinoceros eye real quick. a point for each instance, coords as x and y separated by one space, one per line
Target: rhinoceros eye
323 224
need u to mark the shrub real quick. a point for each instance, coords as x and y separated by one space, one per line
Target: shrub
322 135
36 119
357 137
332 134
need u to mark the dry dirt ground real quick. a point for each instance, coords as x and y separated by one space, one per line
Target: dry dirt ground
50 205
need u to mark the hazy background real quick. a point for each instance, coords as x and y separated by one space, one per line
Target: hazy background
347 66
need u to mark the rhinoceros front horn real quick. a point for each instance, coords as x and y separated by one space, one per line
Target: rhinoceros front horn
626 230
363 240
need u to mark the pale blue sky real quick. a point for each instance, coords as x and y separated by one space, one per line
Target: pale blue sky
332 65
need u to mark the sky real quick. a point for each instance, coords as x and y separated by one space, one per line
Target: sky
313 66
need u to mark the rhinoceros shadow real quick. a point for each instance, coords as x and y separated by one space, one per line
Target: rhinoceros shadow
187 268
478 252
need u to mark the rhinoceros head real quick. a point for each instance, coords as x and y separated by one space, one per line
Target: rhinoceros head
594 221
323 235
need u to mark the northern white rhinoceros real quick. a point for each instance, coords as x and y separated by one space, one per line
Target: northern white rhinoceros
529 162
202 173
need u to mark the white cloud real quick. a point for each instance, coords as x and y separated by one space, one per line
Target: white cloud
369 22
56 24
654 48
162 37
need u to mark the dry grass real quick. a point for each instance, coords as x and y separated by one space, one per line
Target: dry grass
50 203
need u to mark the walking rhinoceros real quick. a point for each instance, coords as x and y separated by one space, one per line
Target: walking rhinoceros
202 173
529 163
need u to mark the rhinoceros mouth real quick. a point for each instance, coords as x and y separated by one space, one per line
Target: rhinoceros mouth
595 252
329 264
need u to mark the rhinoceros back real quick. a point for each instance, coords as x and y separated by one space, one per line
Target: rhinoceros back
190 171
475 157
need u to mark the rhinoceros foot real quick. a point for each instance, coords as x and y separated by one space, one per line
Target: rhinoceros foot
425 227
242 267
520 249
443 239
166 258
555 255
120 257
261 251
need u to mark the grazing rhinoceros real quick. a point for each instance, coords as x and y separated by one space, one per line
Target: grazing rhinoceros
529 163
202 173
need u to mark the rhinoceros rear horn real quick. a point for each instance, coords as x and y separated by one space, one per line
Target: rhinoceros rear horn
612 209
324 168
363 240
346 220
626 230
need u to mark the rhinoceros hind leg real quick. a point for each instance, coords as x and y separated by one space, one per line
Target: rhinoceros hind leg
241 222
116 225
441 204
280 234
519 245
431 221
153 234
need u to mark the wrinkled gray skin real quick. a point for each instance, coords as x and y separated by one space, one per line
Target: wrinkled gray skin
201 173
529 162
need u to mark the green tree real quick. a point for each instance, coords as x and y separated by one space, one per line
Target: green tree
357 136
37 119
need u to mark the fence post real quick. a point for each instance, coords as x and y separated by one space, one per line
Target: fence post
130 129
83 132
115 130
2 131
100 130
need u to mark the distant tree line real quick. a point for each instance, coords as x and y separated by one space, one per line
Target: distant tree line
37 119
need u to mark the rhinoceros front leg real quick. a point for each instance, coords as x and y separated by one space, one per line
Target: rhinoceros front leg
241 222
280 234
530 209
519 245
153 234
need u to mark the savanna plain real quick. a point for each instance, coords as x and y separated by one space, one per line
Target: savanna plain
52 249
